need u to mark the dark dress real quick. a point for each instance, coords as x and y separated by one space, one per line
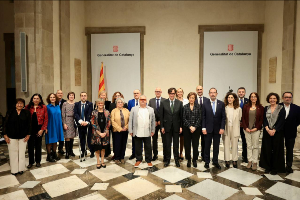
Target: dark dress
102 124
272 150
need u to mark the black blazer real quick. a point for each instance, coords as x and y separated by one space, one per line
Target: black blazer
152 104
87 111
61 103
279 125
213 123
169 119
292 121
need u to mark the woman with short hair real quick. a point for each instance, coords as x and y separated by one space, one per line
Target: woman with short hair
67 112
54 132
16 132
272 149
119 121
39 122
100 121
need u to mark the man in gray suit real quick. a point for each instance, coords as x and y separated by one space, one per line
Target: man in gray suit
155 104
141 127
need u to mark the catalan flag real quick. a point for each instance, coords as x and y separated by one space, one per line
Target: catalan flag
101 80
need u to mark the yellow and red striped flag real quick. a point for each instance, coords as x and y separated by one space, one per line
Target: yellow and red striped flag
101 80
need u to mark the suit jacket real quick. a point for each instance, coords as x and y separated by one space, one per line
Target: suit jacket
245 101
204 99
133 120
131 104
87 111
237 115
169 119
61 103
292 121
213 123
152 104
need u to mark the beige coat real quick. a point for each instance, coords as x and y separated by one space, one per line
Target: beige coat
237 116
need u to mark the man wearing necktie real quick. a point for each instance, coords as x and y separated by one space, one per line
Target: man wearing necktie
132 103
82 114
171 125
200 100
242 100
213 126
155 104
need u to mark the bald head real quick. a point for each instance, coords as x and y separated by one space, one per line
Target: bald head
158 92
136 94
199 90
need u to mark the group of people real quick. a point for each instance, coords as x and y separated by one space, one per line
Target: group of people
180 121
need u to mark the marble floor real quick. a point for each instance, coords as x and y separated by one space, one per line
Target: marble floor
72 179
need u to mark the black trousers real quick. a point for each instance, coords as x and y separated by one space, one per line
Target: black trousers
169 136
120 141
35 143
191 138
289 145
82 135
108 148
244 143
154 141
209 137
202 143
139 146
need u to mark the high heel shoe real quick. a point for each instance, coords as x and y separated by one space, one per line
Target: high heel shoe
103 165
99 166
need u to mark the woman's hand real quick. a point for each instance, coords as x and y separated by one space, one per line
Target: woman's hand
253 130
26 138
248 130
7 140
102 135
65 126
46 131
98 132
40 133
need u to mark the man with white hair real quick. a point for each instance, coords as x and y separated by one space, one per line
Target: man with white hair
141 127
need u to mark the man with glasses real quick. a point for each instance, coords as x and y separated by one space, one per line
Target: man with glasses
292 121
155 104
171 125
132 103
200 100
141 127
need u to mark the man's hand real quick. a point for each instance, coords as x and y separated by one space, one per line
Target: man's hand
152 134
84 123
163 131
158 122
7 140
221 131
180 130
26 138
204 132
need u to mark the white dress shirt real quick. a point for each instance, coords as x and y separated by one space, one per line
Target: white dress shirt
80 121
198 99
171 102
287 110
143 129
211 102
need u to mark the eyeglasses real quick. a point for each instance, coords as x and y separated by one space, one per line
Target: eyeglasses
158 91
143 99
20 104
136 93
171 93
287 97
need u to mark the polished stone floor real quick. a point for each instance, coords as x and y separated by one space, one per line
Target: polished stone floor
72 179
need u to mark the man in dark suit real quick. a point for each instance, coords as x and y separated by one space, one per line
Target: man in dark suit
292 121
242 100
155 104
132 103
171 125
213 126
200 100
59 95
82 114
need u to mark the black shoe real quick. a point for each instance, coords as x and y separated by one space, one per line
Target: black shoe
92 155
38 164
267 171
154 158
177 163
29 166
98 166
14 174
131 157
54 156
234 164
167 163
181 158
21 172
103 165
289 170
50 158
61 151
195 163
206 165
217 165
273 172
189 163
227 164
